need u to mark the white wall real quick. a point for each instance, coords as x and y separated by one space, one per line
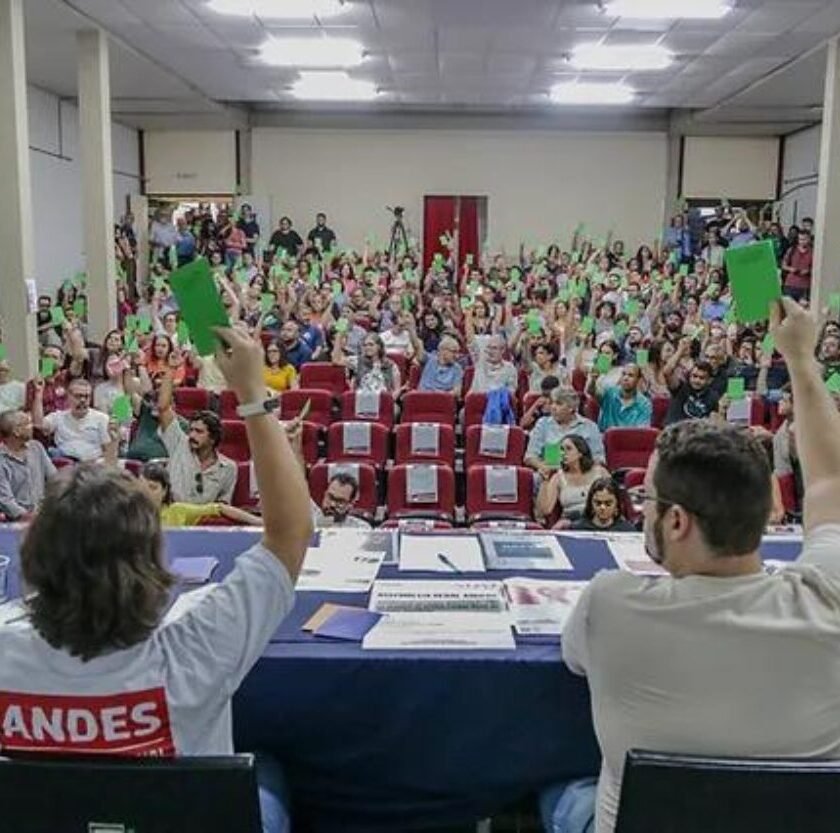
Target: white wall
731 167
539 185
800 175
56 171
190 162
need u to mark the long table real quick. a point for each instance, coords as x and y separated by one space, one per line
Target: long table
402 741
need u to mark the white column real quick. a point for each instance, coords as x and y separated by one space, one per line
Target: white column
827 221
97 180
16 251
672 178
139 206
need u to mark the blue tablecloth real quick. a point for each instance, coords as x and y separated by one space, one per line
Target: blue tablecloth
403 741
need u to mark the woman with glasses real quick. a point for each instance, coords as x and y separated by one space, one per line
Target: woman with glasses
568 488
374 370
602 512
279 373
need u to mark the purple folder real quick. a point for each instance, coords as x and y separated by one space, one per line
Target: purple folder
195 570
348 624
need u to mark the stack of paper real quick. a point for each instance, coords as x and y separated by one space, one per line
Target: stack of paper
195 570
438 597
630 554
541 607
341 563
454 631
441 553
523 551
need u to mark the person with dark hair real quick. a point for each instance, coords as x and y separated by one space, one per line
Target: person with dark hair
624 405
298 352
705 659
602 512
96 652
285 239
338 502
694 398
199 473
568 487
540 406
321 236
279 374
155 479
25 467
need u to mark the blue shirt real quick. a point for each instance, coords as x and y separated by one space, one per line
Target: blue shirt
298 354
312 337
439 377
548 431
616 413
714 310
741 238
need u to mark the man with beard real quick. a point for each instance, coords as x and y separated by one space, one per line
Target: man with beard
696 398
337 503
705 659
199 474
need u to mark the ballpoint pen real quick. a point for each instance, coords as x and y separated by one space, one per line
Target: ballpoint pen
444 559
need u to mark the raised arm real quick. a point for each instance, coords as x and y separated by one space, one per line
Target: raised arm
817 426
284 495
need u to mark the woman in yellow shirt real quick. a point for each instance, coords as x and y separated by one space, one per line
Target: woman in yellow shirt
155 478
278 374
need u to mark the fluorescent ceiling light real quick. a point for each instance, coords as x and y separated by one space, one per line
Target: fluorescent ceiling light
669 9
278 9
312 52
332 86
586 93
639 58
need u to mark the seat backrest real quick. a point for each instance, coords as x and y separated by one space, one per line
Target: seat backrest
483 505
320 411
402 505
235 440
188 401
228 402
660 410
408 436
724 795
324 376
92 792
242 496
474 406
428 406
353 408
787 486
590 407
579 380
629 447
401 361
344 442
319 477
517 441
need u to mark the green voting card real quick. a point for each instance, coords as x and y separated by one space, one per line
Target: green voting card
587 325
642 358
834 302
735 389
3 353
200 304
553 454
266 302
620 329
603 363
534 323
131 346
684 270
631 307
144 323
754 277
833 383
46 367
57 316
121 409
341 325
183 333
79 307
768 345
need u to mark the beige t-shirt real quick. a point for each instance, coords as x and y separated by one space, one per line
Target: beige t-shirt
712 666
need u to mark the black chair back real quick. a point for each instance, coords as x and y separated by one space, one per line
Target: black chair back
687 794
92 794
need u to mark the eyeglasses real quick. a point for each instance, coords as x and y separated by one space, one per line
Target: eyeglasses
639 495
338 502
199 483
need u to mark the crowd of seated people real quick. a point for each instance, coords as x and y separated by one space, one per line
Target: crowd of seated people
559 361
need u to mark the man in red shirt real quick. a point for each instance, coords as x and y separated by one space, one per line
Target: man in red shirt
796 268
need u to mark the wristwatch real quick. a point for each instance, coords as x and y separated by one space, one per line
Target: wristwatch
251 409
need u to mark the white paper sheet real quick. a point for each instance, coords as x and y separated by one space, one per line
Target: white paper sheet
461 553
524 551
629 553
396 596
541 607
13 613
441 632
340 564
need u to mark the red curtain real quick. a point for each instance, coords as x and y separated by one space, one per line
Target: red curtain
438 219
468 229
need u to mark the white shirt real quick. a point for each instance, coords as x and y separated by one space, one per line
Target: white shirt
745 666
12 396
81 439
168 695
398 342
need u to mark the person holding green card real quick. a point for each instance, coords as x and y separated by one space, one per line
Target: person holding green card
624 405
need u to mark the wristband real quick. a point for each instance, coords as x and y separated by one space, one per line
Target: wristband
251 409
